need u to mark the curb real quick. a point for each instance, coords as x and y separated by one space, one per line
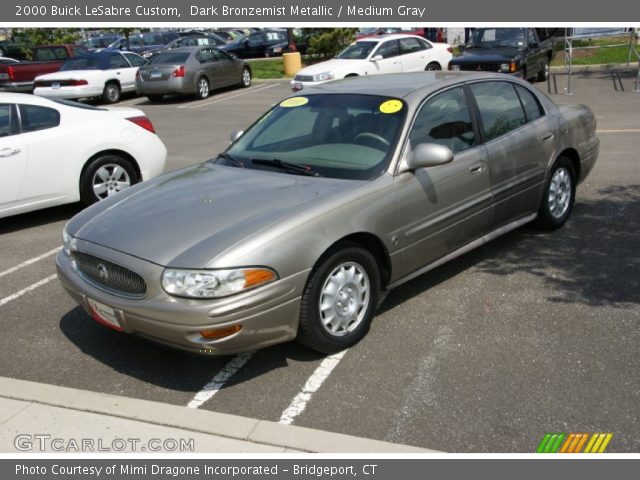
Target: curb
201 421
601 67
271 80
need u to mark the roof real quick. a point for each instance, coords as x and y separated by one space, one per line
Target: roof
388 36
400 84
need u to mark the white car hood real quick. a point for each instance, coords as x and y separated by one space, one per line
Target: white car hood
335 65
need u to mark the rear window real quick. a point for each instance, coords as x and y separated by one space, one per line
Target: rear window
81 64
169 57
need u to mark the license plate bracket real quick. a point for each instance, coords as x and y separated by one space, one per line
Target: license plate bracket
104 314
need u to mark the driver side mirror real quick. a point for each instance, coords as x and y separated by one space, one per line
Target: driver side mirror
429 155
377 58
236 134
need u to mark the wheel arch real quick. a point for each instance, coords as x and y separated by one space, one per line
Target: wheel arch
573 155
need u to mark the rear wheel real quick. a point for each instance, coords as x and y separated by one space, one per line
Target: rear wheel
433 66
559 196
111 93
106 175
155 98
339 300
202 90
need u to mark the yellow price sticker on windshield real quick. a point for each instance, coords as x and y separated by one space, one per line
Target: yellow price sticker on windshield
391 106
294 102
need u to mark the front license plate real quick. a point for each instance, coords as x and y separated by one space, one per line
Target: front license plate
104 314
55 85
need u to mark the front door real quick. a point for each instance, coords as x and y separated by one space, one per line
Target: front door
13 157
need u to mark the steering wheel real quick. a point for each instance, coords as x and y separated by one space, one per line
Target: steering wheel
377 138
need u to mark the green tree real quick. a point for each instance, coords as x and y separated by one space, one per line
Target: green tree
329 41
44 36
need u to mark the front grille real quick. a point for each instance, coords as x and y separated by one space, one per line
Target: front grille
303 78
110 276
485 67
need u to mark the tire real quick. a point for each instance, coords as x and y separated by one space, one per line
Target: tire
245 81
111 93
104 176
202 88
353 275
351 75
544 73
559 196
155 98
432 67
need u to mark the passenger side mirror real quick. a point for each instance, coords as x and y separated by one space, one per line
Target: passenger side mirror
429 155
236 134
376 58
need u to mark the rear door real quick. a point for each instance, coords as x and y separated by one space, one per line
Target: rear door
444 207
413 54
212 68
517 144
123 71
228 69
13 157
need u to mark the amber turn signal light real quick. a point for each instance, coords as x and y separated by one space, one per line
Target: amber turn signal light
215 333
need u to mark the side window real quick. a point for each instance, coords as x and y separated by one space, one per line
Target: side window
206 55
42 55
388 49
135 60
410 45
499 106
444 120
220 55
34 118
530 103
117 61
5 120
60 53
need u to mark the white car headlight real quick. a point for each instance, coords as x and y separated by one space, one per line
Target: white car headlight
321 77
68 241
214 283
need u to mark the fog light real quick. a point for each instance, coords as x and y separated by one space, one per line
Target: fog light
216 333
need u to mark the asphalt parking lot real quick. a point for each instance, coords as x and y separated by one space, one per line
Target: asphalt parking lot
532 333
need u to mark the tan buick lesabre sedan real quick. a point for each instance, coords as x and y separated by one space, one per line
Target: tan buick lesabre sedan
326 202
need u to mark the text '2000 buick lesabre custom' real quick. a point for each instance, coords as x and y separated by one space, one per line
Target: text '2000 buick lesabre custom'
326 202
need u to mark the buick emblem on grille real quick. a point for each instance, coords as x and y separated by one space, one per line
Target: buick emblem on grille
103 273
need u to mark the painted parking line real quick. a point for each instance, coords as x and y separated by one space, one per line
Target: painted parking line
30 261
199 104
636 130
314 382
221 378
44 281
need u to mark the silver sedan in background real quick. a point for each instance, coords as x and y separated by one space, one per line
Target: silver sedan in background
326 202
190 70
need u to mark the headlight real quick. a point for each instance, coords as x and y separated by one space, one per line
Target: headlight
214 283
455 67
68 241
321 77
504 67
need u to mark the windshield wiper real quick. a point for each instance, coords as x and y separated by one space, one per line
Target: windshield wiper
234 161
291 167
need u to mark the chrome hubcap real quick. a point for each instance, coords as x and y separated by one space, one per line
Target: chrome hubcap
246 77
559 192
344 299
110 179
203 88
112 93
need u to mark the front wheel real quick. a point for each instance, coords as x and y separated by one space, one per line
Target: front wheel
339 300
432 67
202 90
246 78
559 196
111 93
544 73
105 176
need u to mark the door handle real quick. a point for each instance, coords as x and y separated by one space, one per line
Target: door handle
478 168
548 136
8 151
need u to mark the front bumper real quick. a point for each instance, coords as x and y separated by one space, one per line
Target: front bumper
297 85
268 315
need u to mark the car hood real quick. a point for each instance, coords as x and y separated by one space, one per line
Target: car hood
334 65
185 219
486 55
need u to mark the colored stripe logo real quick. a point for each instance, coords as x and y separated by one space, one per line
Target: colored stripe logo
574 443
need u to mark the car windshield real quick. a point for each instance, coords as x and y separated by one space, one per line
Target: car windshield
344 136
357 51
497 37
168 58
80 64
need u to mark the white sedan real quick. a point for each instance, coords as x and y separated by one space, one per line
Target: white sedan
106 74
56 152
371 56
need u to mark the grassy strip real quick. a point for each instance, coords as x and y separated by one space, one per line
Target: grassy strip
269 68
